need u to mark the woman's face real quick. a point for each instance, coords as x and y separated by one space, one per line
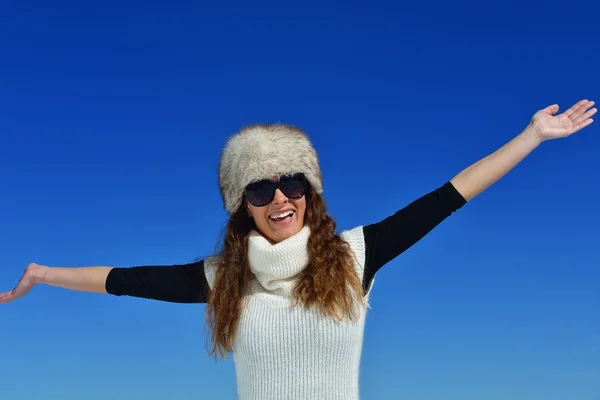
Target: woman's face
283 217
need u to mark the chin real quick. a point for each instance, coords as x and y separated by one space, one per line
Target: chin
284 232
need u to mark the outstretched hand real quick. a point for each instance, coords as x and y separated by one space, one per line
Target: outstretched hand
549 126
25 284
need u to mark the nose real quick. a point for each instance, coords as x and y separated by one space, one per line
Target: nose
279 197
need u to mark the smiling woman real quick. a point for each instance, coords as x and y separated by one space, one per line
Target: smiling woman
278 205
287 294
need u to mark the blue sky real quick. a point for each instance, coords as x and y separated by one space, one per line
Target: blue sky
112 118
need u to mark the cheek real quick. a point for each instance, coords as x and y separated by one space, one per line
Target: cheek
256 214
301 207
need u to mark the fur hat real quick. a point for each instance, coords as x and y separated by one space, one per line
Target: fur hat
261 152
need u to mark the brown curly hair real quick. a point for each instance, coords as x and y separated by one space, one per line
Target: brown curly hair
329 282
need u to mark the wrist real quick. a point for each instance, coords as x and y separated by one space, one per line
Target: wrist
39 273
532 136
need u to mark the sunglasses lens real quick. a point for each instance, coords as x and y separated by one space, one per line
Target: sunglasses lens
260 193
293 187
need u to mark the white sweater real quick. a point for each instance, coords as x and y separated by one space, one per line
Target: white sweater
287 353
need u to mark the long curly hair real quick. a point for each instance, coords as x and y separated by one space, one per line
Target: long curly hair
329 282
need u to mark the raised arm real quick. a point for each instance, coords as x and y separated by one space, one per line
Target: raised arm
543 126
392 236
184 283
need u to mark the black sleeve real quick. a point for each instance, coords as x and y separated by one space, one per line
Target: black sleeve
185 283
390 237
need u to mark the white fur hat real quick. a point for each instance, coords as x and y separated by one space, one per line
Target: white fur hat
261 152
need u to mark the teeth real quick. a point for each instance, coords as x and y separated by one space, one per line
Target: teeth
282 215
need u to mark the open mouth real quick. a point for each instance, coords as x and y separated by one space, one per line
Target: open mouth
282 216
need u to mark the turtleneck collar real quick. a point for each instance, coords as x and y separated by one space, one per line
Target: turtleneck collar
275 264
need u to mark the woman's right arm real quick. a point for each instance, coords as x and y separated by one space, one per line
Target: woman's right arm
183 283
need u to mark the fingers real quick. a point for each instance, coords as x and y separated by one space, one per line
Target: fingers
581 116
578 108
579 126
578 118
7 296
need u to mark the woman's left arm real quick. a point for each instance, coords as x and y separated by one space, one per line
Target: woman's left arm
543 126
392 236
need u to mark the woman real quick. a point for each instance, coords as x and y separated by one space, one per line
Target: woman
287 295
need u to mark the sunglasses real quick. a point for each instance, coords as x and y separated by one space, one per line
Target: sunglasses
261 193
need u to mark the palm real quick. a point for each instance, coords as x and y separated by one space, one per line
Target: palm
550 126
23 287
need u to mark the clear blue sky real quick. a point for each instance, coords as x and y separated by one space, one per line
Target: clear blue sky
112 118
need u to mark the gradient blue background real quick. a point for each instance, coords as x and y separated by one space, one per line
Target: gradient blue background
112 118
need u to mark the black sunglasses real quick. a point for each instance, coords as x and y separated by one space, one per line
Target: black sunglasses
261 193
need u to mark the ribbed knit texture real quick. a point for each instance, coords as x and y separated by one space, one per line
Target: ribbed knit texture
287 353
276 265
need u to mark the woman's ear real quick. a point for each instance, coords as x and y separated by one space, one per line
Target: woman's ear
247 205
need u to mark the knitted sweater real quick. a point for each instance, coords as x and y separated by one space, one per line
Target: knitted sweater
284 352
